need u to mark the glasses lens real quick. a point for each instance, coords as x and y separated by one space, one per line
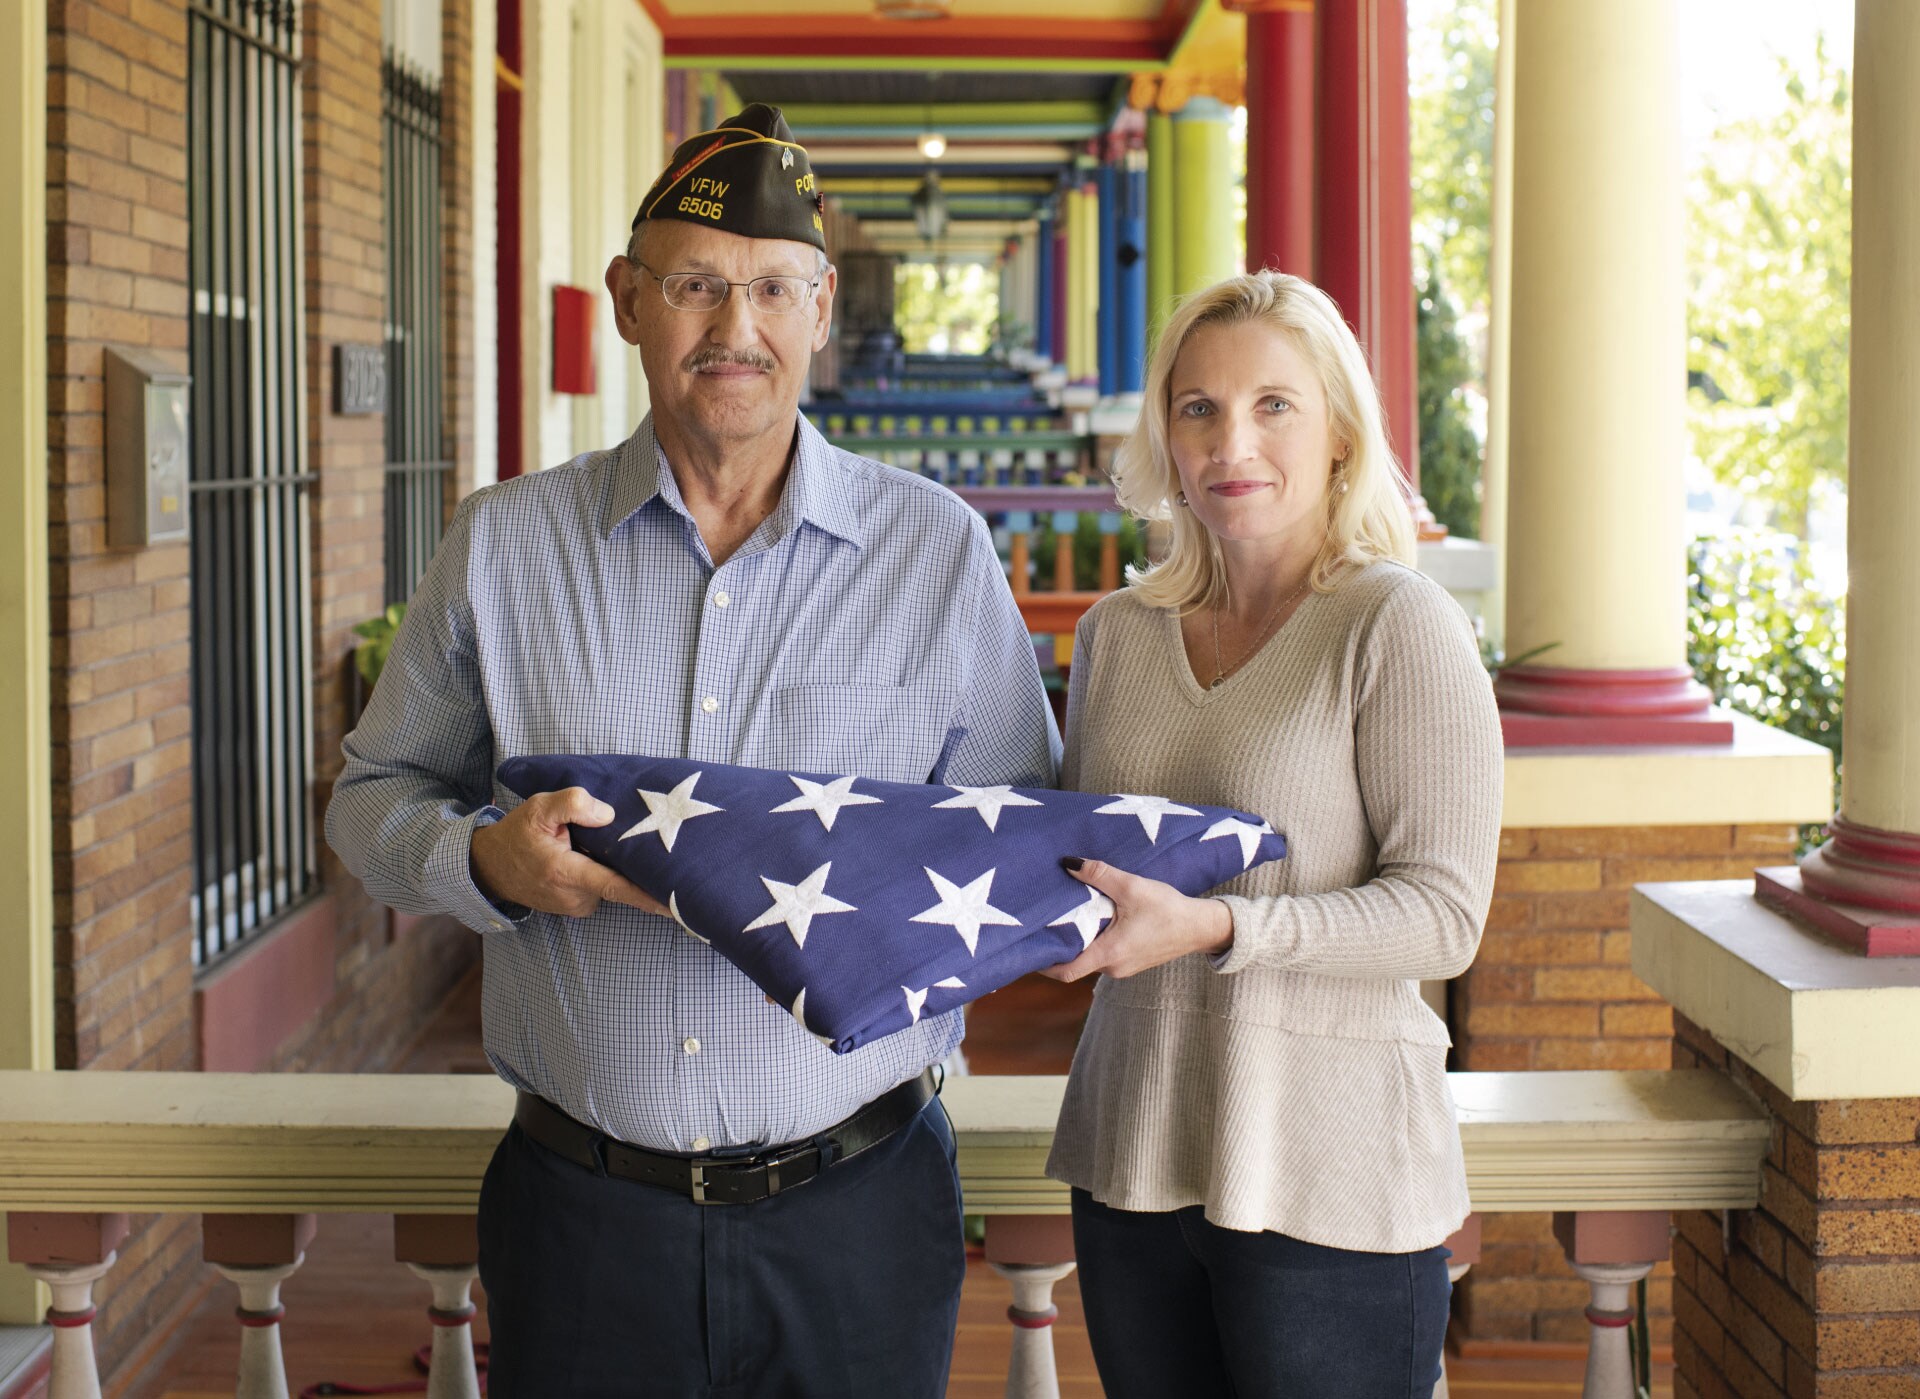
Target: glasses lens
693 291
778 294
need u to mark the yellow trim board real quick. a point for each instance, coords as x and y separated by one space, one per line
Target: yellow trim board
1817 1020
1765 777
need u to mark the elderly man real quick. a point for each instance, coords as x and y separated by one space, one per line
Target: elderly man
696 1197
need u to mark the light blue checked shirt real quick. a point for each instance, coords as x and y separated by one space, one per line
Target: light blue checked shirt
865 627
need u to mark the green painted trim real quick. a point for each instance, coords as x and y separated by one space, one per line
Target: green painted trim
1038 186
1204 250
867 63
942 115
1054 131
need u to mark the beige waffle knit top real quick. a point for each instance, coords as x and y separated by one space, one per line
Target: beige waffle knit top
1296 1082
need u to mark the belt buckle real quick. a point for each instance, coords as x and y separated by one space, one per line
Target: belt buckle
697 1178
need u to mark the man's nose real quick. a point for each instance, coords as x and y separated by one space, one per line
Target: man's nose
733 323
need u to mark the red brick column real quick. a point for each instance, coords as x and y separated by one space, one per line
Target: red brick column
1553 988
1817 1290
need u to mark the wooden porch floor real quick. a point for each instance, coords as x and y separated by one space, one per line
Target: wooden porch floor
354 1317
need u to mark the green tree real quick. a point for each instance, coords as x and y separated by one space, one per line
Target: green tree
1450 450
1450 59
1769 260
948 307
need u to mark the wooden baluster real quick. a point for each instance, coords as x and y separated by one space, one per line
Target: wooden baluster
1033 1252
1611 1250
1109 551
69 1253
1065 522
1020 551
442 1249
1465 1248
257 1253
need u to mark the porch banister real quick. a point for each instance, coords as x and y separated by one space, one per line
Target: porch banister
88 1144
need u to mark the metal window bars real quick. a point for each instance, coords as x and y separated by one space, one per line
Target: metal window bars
253 841
416 462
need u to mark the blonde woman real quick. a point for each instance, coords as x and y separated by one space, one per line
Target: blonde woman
1258 1132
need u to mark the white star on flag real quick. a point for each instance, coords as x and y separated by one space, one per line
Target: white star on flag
1148 809
824 799
917 999
800 1014
668 811
673 907
985 800
965 910
1086 918
1248 833
797 905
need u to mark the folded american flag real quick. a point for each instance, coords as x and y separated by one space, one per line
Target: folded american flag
862 905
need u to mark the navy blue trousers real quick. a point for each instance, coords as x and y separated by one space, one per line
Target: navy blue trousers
1178 1306
847 1287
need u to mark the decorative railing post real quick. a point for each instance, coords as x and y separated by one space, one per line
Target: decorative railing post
257 1253
1033 1252
1611 1250
69 1253
1465 1248
443 1249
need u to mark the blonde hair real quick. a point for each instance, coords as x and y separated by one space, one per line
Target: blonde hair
1368 521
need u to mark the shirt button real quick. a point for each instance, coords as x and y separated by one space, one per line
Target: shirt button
701 1143
691 1045
721 599
709 705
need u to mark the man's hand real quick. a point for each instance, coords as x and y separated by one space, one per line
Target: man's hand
527 858
1152 923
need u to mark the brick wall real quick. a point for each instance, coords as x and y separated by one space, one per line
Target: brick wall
1553 988
120 644
1816 1292
117 276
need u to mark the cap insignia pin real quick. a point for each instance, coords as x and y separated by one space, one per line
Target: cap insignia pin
786 160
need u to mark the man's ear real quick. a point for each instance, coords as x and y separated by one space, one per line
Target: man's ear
623 290
823 308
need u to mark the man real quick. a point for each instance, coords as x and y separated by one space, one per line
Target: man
696 1197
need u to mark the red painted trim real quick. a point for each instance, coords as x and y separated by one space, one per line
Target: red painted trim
1363 204
259 1321
1607 693
1032 1321
451 1320
254 1001
657 12
1610 1320
1280 140
1875 932
1521 730
69 1321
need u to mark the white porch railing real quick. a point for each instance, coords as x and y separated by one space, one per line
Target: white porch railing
260 1155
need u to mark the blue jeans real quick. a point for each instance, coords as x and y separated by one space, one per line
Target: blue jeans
847 1287
1178 1306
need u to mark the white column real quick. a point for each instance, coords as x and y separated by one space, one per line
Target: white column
1609 1360
74 1374
1596 519
1031 1372
263 1373
450 1370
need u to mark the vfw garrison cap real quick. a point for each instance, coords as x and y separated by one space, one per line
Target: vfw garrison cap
747 176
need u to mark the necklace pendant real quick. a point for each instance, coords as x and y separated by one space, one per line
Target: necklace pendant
1218 681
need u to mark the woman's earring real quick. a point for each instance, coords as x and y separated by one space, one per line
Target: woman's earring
1180 499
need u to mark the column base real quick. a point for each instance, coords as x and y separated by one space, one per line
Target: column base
1549 706
1874 932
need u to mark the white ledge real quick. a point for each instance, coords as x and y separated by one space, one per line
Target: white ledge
1817 1020
374 1143
1765 777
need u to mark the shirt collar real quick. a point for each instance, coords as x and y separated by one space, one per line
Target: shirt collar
816 490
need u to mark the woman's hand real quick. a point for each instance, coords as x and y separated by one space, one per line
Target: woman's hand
1152 923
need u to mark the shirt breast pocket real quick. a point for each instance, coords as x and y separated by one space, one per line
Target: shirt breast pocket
894 733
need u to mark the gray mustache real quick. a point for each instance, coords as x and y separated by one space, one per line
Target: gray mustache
708 358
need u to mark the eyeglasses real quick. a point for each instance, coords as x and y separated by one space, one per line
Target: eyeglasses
702 291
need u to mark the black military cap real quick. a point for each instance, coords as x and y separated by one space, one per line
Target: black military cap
747 176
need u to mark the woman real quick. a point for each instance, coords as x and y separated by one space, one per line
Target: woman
1258 1132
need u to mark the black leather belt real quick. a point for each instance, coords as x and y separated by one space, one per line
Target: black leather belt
725 1180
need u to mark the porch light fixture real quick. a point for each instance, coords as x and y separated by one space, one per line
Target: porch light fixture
913 9
930 207
933 145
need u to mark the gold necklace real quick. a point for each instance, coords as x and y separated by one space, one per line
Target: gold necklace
1220 672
